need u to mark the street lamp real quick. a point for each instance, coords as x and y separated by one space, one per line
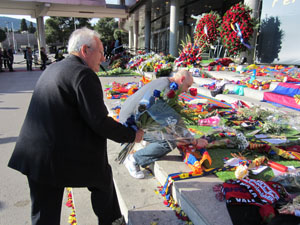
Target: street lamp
7 33
28 38
14 41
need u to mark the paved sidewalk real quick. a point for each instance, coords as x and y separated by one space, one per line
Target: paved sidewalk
15 93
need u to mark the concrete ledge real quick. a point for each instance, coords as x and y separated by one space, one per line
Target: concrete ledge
249 92
138 201
158 213
235 76
195 196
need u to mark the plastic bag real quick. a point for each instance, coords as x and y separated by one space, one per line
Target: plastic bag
290 180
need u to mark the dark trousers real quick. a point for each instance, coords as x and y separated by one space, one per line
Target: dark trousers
46 203
29 64
43 67
10 64
5 62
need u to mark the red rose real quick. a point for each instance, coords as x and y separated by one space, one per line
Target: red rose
171 94
193 91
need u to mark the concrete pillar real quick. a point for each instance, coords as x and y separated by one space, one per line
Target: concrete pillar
147 30
174 16
130 37
41 32
254 5
135 35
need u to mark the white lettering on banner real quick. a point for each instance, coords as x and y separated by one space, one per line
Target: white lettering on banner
263 190
253 193
269 192
242 200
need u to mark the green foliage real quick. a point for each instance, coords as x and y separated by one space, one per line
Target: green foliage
118 72
169 58
123 35
183 43
119 63
59 29
106 27
2 35
23 25
31 28
164 72
53 31
255 113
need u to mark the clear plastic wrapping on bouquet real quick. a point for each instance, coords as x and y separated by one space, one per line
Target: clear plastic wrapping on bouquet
237 140
290 180
162 122
175 134
293 120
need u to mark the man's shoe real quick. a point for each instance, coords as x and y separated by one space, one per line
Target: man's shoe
217 91
120 221
133 168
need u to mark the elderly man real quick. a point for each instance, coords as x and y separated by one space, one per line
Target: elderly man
155 149
63 141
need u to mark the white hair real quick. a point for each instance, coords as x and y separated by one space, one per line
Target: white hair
80 37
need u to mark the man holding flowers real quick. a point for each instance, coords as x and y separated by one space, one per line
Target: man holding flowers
155 148
63 141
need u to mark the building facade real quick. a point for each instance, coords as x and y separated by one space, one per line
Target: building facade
161 25
20 41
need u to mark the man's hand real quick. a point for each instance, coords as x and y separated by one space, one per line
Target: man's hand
200 142
139 136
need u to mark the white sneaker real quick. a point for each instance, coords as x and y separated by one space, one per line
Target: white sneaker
133 168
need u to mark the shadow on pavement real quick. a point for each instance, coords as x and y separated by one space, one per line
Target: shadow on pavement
9 108
1 205
8 140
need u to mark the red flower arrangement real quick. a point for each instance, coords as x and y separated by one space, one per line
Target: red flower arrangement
206 31
236 28
222 61
190 54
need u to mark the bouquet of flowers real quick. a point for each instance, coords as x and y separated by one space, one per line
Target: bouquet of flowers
134 63
161 115
190 54
163 70
148 67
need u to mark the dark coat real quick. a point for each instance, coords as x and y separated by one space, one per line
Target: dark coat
63 140
43 56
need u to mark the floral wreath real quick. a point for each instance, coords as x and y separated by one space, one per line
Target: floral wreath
206 31
236 29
